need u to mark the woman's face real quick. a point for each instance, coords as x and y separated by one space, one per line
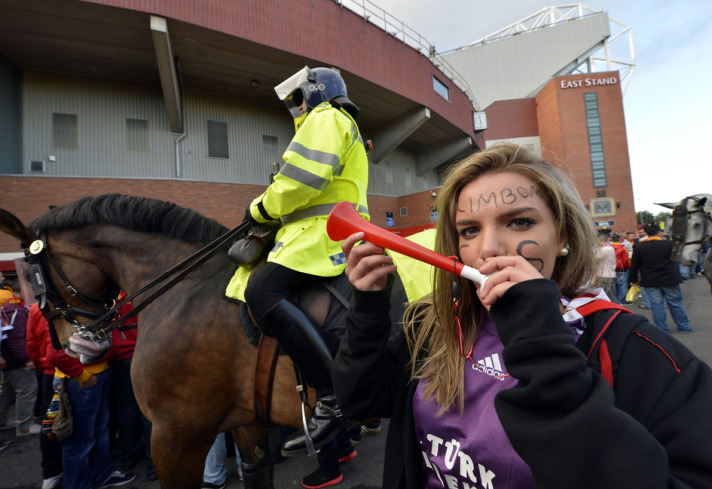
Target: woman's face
502 214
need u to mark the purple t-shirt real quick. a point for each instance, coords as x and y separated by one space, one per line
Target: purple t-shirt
471 450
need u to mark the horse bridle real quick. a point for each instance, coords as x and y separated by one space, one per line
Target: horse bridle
680 226
38 257
47 292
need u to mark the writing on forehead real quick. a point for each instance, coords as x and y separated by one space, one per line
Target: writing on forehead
505 196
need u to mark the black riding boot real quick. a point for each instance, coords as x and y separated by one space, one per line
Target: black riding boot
308 350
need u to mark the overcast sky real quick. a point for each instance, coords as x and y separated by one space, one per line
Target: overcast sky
668 104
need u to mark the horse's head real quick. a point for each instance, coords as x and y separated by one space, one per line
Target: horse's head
690 227
69 285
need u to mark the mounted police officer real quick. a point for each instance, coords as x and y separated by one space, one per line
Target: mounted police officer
325 163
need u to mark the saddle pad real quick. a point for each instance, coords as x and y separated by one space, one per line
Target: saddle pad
251 330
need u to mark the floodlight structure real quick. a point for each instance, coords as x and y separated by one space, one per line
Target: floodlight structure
610 54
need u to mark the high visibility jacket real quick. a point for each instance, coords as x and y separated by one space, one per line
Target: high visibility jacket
325 164
417 276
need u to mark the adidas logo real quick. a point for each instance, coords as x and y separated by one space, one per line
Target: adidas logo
490 366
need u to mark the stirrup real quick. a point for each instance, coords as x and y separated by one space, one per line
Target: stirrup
303 396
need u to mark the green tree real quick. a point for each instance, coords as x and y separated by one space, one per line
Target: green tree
660 217
645 217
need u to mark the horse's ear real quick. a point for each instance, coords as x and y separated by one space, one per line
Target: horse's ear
10 224
666 204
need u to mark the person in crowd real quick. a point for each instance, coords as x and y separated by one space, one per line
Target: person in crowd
325 163
130 423
606 267
371 428
640 236
623 257
490 385
337 451
632 238
660 278
18 382
627 240
5 441
686 271
39 347
215 472
703 254
86 458
5 291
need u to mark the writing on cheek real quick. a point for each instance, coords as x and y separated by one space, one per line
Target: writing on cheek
532 260
505 196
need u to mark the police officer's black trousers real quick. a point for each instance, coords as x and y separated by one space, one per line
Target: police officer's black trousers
269 296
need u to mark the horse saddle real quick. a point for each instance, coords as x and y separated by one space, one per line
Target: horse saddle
326 301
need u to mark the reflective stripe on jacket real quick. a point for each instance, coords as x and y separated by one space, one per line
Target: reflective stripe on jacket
325 164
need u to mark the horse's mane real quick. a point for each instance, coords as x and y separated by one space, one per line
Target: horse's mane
139 214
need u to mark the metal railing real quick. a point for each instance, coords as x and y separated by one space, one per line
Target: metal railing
375 15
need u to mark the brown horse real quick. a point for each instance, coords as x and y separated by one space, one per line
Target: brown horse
193 367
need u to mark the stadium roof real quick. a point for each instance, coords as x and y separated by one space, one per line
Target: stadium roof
519 59
244 49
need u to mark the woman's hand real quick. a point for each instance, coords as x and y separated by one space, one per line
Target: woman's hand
504 272
367 265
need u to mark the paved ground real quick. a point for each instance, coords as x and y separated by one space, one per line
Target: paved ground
20 462
20 467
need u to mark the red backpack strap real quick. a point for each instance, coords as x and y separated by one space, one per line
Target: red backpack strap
603 354
595 306
605 358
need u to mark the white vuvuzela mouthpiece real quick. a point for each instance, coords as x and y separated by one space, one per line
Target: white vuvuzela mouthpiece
474 275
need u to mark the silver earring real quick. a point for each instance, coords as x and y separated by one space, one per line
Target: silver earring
564 251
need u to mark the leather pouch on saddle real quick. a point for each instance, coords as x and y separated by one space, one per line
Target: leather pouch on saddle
250 249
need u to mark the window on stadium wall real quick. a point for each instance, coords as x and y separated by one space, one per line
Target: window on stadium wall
137 140
389 171
270 149
65 131
441 89
218 145
595 140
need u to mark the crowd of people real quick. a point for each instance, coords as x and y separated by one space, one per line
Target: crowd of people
644 260
106 418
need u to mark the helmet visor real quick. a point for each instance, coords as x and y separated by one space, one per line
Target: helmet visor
288 92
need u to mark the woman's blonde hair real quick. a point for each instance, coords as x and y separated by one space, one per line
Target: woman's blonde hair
430 323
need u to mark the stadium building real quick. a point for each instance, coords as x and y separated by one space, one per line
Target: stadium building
175 100
554 81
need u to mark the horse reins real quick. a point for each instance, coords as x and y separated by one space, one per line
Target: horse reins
39 250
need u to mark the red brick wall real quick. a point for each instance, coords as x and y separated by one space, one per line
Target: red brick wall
549 124
28 197
512 119
564 135
418 205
